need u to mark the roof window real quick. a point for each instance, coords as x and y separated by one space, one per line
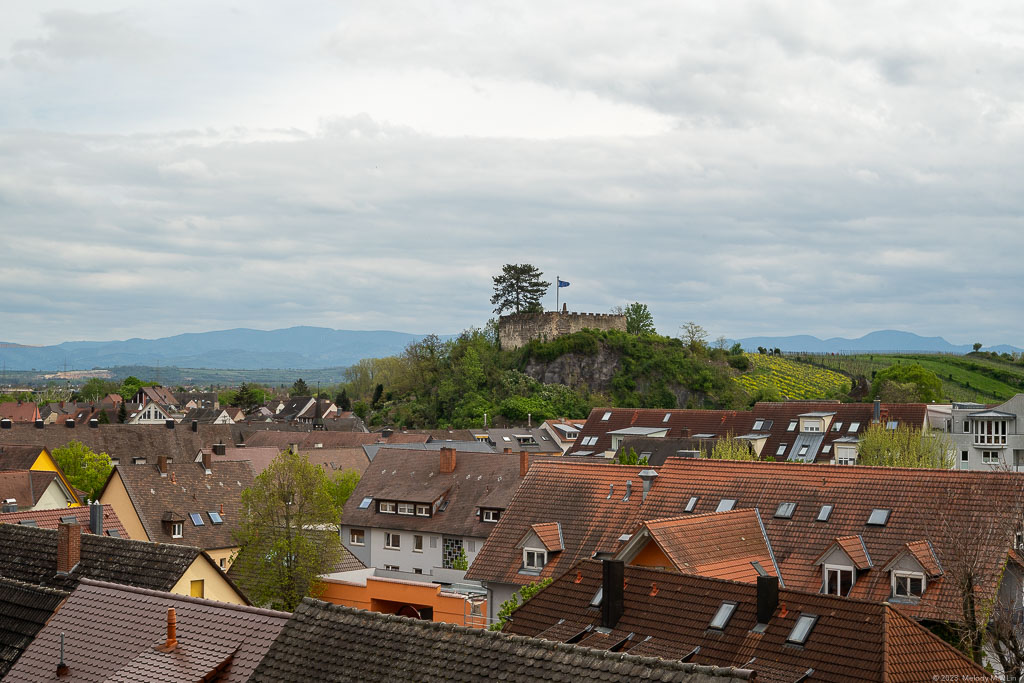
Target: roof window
722 616
837 426
803 449
792 426
827 448
879 517
215 517
28 522
365 503
606 416
824 513
892 424
854 426
726 504
785 510
781 450
197 519
113 532
802 629
667 416
758 568
69 519
758 425
596 601
692 503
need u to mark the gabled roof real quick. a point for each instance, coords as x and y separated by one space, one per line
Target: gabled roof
51 519
923 553
669 615
17 411
24 609
854 548
414 476
309 440
186 490
25 486
29 554
111 632
586 499
722 545
680 423
550 535
204 415
385 648
18 456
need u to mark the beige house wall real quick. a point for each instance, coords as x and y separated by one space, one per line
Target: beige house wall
222 553
215 586
53 498
116 495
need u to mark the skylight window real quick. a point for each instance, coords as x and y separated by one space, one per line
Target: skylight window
726 504
792 426
827 448
596 601
824 513
215 517
505 438
70 519
879 517
114 533
667 416
723 615
785 510
803 449
758 568
197 519
365 503
854 426
28 522
692 503
837 426
892 424
758 425
606 416
781 449
802 629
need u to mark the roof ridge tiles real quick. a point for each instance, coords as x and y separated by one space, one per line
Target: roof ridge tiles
183 598
56 592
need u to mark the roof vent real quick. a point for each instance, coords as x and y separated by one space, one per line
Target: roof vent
169 423
629 489
195 425
5 423
39 424
647 477
69 423
94 423
10 505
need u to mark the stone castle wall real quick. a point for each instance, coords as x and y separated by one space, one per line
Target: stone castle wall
517 330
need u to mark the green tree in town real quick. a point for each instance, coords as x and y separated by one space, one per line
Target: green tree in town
85 469
461 562
630 458
249 396
909 383
519 289
694 337
287 534
300 388
96 388
341 486
122 412
510 605
343 402
904 447
639 320
730 448
378 391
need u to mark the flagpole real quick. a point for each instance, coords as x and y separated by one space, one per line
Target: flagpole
558 287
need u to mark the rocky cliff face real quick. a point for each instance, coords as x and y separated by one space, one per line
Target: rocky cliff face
574 370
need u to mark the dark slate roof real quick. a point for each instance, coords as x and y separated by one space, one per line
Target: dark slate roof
680 423
51 519
669 614
414 476
471 446
111 633
29 554
125 441
18 456
25 486
187 489
24 609
313 440
325 642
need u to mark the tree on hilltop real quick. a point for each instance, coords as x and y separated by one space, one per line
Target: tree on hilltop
519 289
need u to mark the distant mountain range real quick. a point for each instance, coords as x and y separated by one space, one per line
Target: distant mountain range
240 349
881 341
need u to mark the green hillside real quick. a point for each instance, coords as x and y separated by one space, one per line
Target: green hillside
781 378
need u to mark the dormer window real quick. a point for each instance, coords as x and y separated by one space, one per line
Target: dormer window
534 558
387 507
406 509
838 579
908 584
177 528
422 510
491 515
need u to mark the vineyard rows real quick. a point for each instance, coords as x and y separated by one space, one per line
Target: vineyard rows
792 380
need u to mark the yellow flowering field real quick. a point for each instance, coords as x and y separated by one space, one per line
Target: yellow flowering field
793 380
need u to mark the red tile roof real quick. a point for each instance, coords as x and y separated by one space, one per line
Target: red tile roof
680 423
16 411
854 548
719 544
550 534
669 615
51 519
111 632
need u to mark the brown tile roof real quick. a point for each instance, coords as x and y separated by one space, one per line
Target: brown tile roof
16 411
854 548
51 519
125 441
414 476
187 489
924 504
111 632
24 609
585 498
385 648
550 534
18 456
680 423
924 554
25 486
722 545
669 614
309 440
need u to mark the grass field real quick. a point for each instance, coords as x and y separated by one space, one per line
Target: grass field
792 379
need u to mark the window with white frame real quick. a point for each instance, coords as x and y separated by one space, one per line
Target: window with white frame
392 541
491 515
908 584
422 510
386 506
781 450
406 509
356 537
176 529
812 426
417 544
534 558
854 426
846 456
391 567
838 579
837 426
990 457
792 426
989 432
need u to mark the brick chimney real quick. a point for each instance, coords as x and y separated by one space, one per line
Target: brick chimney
447 460
161 464
207 460
69 546
524 463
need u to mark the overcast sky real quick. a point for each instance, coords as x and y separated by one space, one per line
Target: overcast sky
759 168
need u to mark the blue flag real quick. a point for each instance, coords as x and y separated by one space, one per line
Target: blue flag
562 283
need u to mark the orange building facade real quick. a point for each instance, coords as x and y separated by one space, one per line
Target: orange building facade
414 599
